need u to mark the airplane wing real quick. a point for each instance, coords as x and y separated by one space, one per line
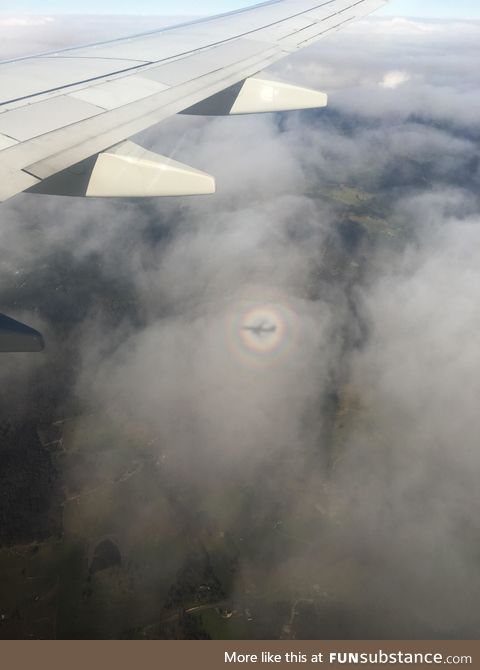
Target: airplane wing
66 117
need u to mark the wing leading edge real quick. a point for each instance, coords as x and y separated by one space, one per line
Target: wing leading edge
60 112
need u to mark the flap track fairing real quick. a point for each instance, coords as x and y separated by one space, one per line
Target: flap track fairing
128 171
256 96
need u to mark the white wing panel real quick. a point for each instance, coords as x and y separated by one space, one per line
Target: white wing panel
164 44
314 31
32 76
43 117
13 182
120 92
261 21
151 48
285 28
200 64
330 9
355 9
6 142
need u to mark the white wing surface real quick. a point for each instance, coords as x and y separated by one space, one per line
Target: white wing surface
65 116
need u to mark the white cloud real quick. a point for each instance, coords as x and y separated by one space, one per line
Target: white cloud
394 79
25 21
